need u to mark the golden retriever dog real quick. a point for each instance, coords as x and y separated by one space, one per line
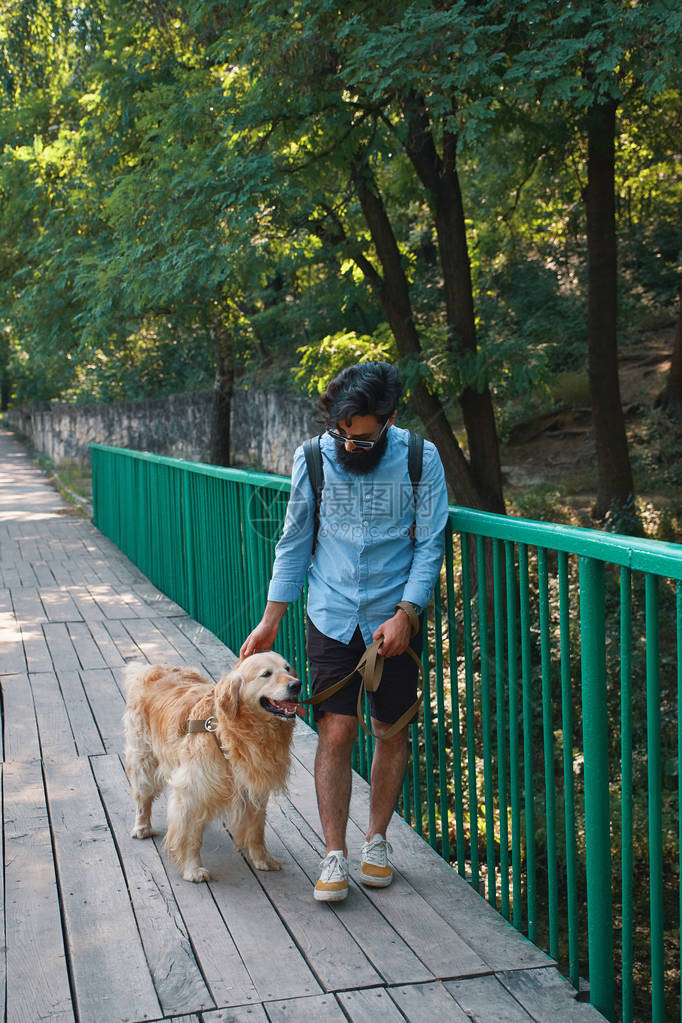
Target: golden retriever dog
228 761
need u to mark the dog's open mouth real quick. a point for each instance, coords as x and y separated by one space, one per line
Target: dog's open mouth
282 708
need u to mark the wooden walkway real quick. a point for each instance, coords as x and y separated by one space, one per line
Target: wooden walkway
99 928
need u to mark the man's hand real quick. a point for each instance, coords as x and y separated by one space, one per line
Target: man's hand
396 634
265 633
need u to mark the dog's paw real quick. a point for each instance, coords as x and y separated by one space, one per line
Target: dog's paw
142 831
266 862
196 874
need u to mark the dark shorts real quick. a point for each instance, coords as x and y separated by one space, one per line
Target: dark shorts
331 661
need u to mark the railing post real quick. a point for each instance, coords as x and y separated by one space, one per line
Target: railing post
188 537
596 775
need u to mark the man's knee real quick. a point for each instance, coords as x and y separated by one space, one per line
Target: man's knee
337 732
399 741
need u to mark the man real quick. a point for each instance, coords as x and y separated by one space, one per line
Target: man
375 549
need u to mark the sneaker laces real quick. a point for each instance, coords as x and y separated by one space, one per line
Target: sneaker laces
376 851
334 867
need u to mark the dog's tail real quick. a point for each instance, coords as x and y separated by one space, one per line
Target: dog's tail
134 673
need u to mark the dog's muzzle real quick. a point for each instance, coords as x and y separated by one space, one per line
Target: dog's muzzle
287 707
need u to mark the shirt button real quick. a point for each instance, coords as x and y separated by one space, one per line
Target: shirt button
365 525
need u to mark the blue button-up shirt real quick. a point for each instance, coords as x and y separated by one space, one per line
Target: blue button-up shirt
365 560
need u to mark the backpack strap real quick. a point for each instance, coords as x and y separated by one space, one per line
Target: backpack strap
313 461
415 459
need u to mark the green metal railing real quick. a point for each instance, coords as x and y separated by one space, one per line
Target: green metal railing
546 764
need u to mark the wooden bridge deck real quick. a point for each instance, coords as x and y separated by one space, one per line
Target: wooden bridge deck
99 928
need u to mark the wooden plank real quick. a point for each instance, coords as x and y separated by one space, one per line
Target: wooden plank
187 651
62 652
3 919
59 607
88 652
221 964
242 1014
155 646
276 967
442 950
306 1010
122 639
209 645
83 725
82 598
336 959
547 996
369 1006
111 979
177 978
110 603
12 659
20 729
107 704
497 943
486 998
110 652
386 950
158 603
54 727
28 606
36 650
419 1002
37 980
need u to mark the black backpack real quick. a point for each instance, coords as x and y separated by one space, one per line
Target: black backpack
313 460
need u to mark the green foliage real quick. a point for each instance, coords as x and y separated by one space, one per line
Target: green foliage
170 170
321 361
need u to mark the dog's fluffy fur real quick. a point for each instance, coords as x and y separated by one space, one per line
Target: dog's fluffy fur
255 709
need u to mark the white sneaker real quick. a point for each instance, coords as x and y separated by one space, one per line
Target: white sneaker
375 870
333 883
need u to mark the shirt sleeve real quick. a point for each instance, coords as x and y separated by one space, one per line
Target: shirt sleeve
431 518
295 546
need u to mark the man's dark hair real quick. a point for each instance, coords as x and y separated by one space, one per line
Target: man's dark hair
368 388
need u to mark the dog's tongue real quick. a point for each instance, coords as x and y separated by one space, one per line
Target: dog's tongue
300 710
289 706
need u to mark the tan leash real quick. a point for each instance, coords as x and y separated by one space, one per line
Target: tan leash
370 668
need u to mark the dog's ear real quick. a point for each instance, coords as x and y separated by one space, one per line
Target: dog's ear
228 691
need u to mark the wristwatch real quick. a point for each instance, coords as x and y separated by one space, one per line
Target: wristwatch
412 611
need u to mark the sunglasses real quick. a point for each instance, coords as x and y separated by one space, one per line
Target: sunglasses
364 445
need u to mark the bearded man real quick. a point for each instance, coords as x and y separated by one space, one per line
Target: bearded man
372 563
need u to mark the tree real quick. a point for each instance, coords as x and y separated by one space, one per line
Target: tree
585 60
670 397
329 99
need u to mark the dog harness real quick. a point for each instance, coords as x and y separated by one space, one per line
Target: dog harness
209 724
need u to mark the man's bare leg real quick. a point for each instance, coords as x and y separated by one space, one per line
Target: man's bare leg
389 764
336 735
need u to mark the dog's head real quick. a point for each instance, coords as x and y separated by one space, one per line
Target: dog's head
264 683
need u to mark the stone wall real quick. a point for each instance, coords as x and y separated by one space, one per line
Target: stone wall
266 427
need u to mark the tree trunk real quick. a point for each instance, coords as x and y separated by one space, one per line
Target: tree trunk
670 397
440 178
222 395
615 487
393 292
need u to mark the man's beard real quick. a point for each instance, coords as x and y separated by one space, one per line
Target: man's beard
361 462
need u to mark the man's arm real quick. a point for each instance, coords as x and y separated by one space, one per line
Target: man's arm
265 633
292 557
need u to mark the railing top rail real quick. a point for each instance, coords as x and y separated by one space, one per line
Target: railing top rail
263 479
636 553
